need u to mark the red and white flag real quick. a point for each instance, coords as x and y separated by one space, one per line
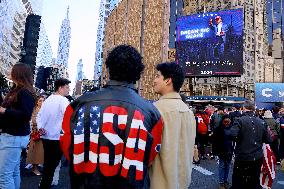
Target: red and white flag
268 172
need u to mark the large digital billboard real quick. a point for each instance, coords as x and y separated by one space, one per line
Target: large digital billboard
211 44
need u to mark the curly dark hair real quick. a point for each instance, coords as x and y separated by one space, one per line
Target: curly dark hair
125 64
174 71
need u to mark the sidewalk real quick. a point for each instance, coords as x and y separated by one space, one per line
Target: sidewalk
31 181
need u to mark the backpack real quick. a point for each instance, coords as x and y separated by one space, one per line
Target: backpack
201 125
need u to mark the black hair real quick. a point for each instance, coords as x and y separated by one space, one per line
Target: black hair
237 106
276 109
249 105
60 83
124 63
174 71
226 116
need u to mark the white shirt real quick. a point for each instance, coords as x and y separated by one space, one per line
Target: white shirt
219 29
50 116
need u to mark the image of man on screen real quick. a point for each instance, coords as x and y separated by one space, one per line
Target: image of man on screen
220 29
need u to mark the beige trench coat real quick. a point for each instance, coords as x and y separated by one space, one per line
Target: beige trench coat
172 168
35 152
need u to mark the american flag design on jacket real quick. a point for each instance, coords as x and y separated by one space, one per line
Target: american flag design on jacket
111 139
79 154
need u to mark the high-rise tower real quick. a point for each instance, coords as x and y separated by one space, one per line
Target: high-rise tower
79 76
13 16
275 33
64 42
106 7
275 17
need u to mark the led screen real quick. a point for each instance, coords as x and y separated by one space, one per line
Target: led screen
211 44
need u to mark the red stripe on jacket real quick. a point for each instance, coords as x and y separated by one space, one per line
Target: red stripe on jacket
157 139
65 137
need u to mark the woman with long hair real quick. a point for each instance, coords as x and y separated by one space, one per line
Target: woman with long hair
15 115
35 152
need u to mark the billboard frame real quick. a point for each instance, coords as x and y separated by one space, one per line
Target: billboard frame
228 75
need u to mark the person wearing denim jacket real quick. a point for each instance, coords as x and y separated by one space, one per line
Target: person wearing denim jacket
223 148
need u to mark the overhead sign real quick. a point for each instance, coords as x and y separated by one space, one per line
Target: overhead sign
269 92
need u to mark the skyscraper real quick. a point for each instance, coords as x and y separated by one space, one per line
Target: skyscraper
79 76
275 31
64 42
106 7
44 51
275 17
13 15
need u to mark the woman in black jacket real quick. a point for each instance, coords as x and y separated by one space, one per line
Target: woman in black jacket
223 148
15 115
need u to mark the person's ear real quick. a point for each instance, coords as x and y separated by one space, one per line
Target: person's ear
168 81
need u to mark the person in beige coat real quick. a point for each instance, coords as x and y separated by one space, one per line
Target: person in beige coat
173 166
35 152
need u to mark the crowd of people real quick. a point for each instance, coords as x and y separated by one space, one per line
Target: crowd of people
237 134
113 138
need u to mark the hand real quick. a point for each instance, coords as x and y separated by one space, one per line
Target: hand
42 131
2 110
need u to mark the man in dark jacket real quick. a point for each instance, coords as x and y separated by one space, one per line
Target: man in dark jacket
223 148
111 136
216 118
250 133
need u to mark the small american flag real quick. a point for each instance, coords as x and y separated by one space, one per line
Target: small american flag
79 136
268 168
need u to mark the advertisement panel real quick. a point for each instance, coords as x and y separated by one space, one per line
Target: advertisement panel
269 92
211 44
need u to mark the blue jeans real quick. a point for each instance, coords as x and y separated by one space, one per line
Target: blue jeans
224 168
10 155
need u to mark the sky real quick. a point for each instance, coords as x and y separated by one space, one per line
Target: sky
84 18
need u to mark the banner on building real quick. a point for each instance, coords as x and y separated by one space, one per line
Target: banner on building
269 92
